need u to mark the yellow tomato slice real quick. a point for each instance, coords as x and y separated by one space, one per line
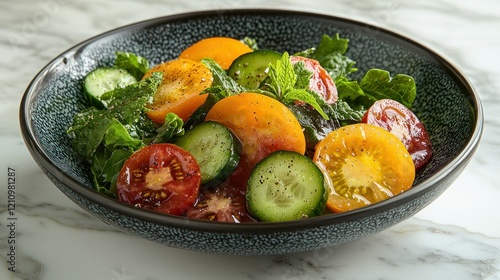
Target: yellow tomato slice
179 91
366 164
223 50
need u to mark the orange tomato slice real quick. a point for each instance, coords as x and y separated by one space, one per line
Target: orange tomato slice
365 164
223 50
179 91
261 123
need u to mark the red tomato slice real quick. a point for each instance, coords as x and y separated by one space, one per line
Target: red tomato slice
224 204
402 122
160 177
320 82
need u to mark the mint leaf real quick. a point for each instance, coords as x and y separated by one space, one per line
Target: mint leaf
290 83
134 64
282 76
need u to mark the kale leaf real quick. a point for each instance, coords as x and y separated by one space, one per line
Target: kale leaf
375 85
330 53
88 130
378 84
221 79
172 127
107 137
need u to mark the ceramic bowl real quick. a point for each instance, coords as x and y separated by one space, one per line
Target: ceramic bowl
446 103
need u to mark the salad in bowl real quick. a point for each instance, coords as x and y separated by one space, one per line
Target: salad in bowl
230 132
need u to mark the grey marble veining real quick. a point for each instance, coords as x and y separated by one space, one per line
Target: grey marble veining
456 237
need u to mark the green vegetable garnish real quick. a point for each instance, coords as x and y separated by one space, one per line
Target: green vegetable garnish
107 137
330 53
134 64
289 85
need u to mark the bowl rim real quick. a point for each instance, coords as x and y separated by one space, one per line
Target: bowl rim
114 205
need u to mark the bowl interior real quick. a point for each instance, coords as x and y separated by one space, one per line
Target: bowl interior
444 103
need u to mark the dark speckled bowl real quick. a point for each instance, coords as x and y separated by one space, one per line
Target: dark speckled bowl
445 102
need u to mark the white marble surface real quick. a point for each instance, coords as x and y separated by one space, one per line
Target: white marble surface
456 237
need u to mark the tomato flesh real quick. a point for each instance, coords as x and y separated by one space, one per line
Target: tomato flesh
226 203
160 177
321 82
402 122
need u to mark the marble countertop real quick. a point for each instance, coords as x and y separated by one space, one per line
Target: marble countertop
456 237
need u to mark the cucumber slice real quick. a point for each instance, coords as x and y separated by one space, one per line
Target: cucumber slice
215 149
286 186
102 80
250 69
